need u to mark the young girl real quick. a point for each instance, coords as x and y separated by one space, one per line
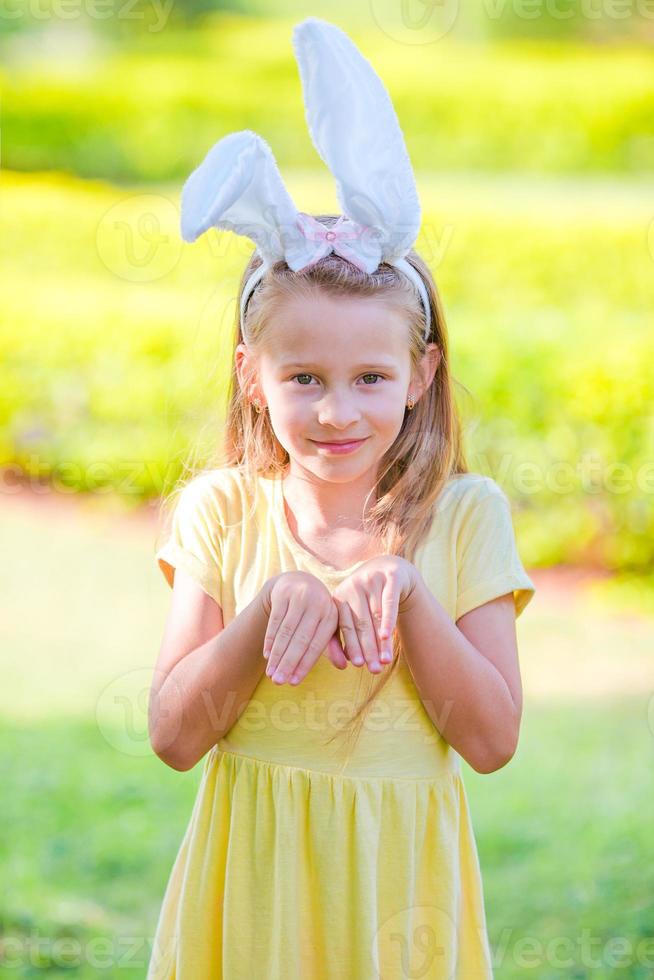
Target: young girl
341 635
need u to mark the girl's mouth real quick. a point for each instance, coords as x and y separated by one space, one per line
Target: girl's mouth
339 447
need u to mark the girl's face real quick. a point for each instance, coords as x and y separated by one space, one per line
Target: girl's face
334 370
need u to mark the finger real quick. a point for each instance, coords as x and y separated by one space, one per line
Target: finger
301 640
346 624
323 636
365 630
336 654
390 603
278 610
334 649
306 645
338 640
285 630
375 607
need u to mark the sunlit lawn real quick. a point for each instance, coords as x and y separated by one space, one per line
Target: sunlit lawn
92 820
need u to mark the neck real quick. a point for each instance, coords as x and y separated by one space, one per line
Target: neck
325 506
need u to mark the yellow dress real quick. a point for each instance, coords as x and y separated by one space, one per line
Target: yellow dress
348 860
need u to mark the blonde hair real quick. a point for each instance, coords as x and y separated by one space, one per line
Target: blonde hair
429 447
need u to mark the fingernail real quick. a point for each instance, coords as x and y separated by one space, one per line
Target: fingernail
385 656
357 660
375 665
278 677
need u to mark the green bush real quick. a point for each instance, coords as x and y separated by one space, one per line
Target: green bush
113 363
149 112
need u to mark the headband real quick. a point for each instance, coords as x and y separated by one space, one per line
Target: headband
357 134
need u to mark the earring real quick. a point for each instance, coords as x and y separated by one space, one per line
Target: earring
410 403
257 407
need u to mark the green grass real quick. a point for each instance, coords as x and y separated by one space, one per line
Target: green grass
87 844
563 835
93 821
565 844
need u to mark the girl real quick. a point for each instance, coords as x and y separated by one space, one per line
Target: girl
341 635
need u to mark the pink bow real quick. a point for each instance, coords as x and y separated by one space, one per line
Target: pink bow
332 239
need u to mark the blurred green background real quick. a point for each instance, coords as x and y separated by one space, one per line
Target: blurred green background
531 130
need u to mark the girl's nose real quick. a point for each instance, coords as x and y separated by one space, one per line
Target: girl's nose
337 410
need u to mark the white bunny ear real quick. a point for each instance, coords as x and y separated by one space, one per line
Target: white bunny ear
238 186
356 131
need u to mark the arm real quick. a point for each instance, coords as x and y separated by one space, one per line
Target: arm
467 676
202 685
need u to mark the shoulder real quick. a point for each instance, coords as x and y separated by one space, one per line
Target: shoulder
472 508
465 492
217 492
483 518
466 500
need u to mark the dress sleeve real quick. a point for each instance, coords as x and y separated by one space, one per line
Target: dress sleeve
488 563
195 539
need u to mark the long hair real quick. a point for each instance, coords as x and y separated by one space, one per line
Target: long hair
428 450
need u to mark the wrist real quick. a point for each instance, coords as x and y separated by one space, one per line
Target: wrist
265 595
416 582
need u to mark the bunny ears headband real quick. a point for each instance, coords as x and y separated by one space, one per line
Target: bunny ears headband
355 130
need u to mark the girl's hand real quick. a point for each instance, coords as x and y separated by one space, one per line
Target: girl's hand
368 602
302 621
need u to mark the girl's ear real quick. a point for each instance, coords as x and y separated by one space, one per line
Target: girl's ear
427 368
244 367
246 372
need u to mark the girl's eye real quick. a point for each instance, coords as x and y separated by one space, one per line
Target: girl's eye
310 376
